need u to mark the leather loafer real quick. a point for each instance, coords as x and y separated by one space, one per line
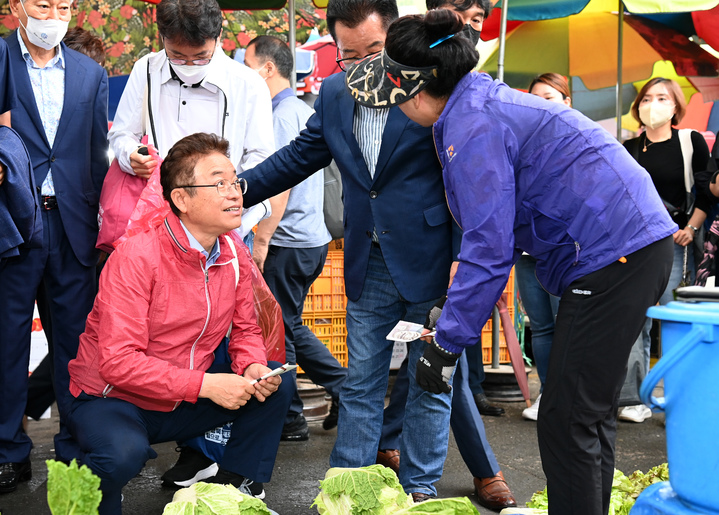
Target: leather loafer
13 473
494 493
485 408
421 497
389 458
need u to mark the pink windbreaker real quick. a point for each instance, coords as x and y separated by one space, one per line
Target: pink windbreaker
158 317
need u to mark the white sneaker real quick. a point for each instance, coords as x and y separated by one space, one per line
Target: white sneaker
532 412
638 413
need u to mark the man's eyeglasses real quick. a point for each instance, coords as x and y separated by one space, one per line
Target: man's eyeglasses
349 61
181 62
196 62
223 187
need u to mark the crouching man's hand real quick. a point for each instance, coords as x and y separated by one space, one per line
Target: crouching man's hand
266 387
227 390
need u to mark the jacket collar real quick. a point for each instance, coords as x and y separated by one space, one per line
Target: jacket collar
182 245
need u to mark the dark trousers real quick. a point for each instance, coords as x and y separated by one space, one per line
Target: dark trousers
115 436
40 392
466 422
599 318
289 273
69 288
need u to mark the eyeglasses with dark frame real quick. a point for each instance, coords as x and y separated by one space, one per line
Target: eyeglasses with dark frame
223 186
349 61
180 62
196 62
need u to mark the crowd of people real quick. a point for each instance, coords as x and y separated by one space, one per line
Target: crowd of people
449 180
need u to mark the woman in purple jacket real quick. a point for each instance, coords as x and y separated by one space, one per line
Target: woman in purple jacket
522 174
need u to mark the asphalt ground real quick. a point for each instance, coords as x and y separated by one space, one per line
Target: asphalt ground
300 465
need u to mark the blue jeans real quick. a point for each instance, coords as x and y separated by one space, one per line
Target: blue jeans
541 307
466 422
425 432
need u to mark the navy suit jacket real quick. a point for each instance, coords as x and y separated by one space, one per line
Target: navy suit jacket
405 201
19 211
79 153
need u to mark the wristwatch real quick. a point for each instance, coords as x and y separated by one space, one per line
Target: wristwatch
693 228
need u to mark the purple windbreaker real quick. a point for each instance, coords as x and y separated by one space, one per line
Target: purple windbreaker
525 174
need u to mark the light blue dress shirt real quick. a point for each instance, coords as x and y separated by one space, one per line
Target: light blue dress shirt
210 257
46 83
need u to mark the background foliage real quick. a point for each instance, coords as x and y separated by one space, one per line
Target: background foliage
129 30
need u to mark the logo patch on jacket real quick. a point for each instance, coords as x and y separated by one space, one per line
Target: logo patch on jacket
450 153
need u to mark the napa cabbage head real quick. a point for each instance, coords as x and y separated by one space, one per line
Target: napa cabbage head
368 490
213 499
449 506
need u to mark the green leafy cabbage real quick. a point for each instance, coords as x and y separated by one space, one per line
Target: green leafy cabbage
625 490
72 489
213 499
449 506
372 490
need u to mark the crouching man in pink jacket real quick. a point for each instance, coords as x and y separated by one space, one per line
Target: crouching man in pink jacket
167 298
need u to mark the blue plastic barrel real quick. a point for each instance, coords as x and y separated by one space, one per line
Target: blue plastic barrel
690 369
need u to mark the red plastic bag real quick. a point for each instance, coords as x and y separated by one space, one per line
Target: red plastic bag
118 198
151 208
267 309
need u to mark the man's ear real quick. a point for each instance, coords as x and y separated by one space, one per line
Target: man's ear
15 7
179 198
270 68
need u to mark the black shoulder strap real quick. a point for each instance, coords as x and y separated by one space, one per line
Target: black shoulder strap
634 148
149 106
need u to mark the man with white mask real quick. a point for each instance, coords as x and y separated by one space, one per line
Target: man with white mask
61 115
192 86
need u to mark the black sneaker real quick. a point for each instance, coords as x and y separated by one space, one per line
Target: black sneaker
330 421
296 431
191 467
243 484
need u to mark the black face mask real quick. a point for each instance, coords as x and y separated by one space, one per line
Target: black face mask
471 34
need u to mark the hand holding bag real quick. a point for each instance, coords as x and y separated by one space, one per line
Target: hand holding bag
119 196
121 191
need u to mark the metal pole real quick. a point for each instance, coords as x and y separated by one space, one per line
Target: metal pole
292 42
620 45
502 40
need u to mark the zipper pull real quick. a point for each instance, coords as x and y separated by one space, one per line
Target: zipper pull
577 248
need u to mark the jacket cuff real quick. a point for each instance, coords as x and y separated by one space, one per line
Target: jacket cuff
194 385
444 344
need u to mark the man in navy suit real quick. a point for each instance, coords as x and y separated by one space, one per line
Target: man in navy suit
398 245
61 116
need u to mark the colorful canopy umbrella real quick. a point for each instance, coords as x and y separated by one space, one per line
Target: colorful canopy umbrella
532 10
544 9
585 46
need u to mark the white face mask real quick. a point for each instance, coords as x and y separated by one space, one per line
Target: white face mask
45 34
655 114
190 74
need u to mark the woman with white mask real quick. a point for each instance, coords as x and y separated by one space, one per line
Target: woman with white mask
658 107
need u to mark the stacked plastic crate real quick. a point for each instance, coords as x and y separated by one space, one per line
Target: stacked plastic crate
487 329
325 311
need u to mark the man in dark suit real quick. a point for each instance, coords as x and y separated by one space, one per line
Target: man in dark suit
398 245
62 118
